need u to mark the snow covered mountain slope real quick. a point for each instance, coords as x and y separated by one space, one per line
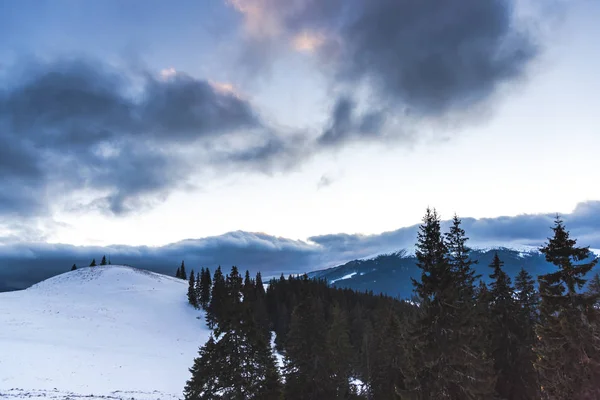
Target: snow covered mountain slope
111 331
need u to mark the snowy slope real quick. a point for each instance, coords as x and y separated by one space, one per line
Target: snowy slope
109 331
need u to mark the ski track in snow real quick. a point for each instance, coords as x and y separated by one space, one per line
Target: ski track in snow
107 332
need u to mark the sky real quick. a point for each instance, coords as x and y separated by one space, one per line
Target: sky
146 123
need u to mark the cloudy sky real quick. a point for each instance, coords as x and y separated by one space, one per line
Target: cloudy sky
150 122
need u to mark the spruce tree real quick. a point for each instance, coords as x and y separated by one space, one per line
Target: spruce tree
443 365
568 348
234 367
307 367
249 288
198 287
191 294
527 300
261 314
232 302
93 263
340 352
504 334
205 288
460 261
182 273
74 267
386 379
103 262
178 273
218 297
593 288
240 364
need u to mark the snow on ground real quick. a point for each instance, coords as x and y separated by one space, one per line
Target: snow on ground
350 275
109 331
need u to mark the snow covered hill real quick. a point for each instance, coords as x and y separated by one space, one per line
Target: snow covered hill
104 332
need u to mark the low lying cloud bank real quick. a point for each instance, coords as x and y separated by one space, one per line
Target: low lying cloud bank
23 264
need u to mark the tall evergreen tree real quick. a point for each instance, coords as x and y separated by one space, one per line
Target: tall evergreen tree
205 288
568 349
386 379
178 273
261 315
249 289
182 273
340 352
74 267
240 364
527 316
307 367
504 334
103 262
93 263
191 294
460 262
198 287
593 288
234 368
232 301
218 298
444 366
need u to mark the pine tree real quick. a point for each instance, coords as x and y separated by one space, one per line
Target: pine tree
218 297
307 367
444 365
74 267
461 262
93 263
527 300
386 379
232 301
178 273
568 349
204 383
191 294
339 352
593 288
240 364
103 262
182 273
504 334
234 367
205 287
261 314
468 328
198 287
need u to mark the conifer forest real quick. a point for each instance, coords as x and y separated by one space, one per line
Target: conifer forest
456 338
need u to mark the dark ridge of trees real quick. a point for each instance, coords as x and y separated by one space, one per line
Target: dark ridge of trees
459 338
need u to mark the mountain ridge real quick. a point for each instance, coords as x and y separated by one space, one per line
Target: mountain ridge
391 273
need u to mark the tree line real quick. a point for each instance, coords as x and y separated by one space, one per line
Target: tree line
103 262
458 338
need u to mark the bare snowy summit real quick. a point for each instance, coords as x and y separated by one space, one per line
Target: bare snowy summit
112 331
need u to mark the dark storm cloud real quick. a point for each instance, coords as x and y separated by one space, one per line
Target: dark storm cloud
78 124
430 58
434 55
345 124
22 264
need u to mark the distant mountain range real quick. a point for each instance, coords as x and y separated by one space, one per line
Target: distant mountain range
391 273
